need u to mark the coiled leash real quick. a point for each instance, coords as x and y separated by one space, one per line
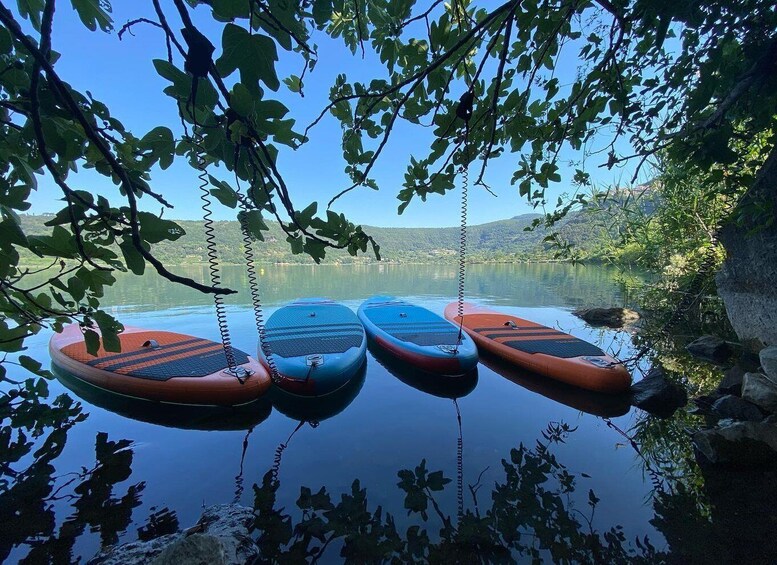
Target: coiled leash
197 63
464 112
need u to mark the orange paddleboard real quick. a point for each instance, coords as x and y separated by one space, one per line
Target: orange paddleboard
541 349
161 366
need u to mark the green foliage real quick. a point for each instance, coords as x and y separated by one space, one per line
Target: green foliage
531 516
659 75
692 82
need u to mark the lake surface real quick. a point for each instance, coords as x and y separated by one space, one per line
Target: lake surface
389 422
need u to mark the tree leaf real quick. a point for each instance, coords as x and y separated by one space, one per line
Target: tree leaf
92 340
132 257
94 14
253 54
154 229
109 328
161 143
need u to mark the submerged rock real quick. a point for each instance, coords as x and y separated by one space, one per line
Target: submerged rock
732 380
610 317
133 553
196 549
702 404
222 537
658 395
761 391
731 406
768 358
745 444
711 348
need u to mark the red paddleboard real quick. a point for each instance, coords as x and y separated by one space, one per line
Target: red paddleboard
541 349
161 366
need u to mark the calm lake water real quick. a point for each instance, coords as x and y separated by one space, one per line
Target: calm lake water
391 421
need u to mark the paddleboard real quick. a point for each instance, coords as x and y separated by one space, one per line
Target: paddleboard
541 349
418 336
317 346
161 366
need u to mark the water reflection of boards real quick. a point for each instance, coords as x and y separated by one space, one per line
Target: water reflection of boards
590 402
181 416
312 410
318 408
436 385
440 386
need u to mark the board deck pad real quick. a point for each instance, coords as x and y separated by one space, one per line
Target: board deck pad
173 355
419 325
541 340
310 328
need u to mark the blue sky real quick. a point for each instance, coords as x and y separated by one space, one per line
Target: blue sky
120 73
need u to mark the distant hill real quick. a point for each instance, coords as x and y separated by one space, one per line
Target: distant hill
503 240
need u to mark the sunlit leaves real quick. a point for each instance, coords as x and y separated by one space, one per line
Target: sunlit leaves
294 83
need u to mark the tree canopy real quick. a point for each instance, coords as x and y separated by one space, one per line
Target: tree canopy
694 82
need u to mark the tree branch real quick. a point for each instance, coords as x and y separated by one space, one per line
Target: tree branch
6 17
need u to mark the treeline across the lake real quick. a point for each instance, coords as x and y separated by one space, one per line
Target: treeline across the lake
582 235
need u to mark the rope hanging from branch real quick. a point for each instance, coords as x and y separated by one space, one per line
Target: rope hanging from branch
197 63
463 111
199 59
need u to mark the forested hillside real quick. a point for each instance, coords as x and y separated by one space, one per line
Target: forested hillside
504 240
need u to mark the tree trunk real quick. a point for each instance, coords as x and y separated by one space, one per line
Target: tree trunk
747 281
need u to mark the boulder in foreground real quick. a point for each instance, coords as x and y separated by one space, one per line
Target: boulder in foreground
222 537
761 391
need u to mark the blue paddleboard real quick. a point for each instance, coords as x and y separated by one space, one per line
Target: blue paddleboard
418 336
317 346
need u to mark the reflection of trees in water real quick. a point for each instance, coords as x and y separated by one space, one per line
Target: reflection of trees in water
706 514
514 284
159 523
532 512
532 516
37 431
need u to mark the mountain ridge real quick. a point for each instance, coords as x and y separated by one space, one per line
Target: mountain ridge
509 239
